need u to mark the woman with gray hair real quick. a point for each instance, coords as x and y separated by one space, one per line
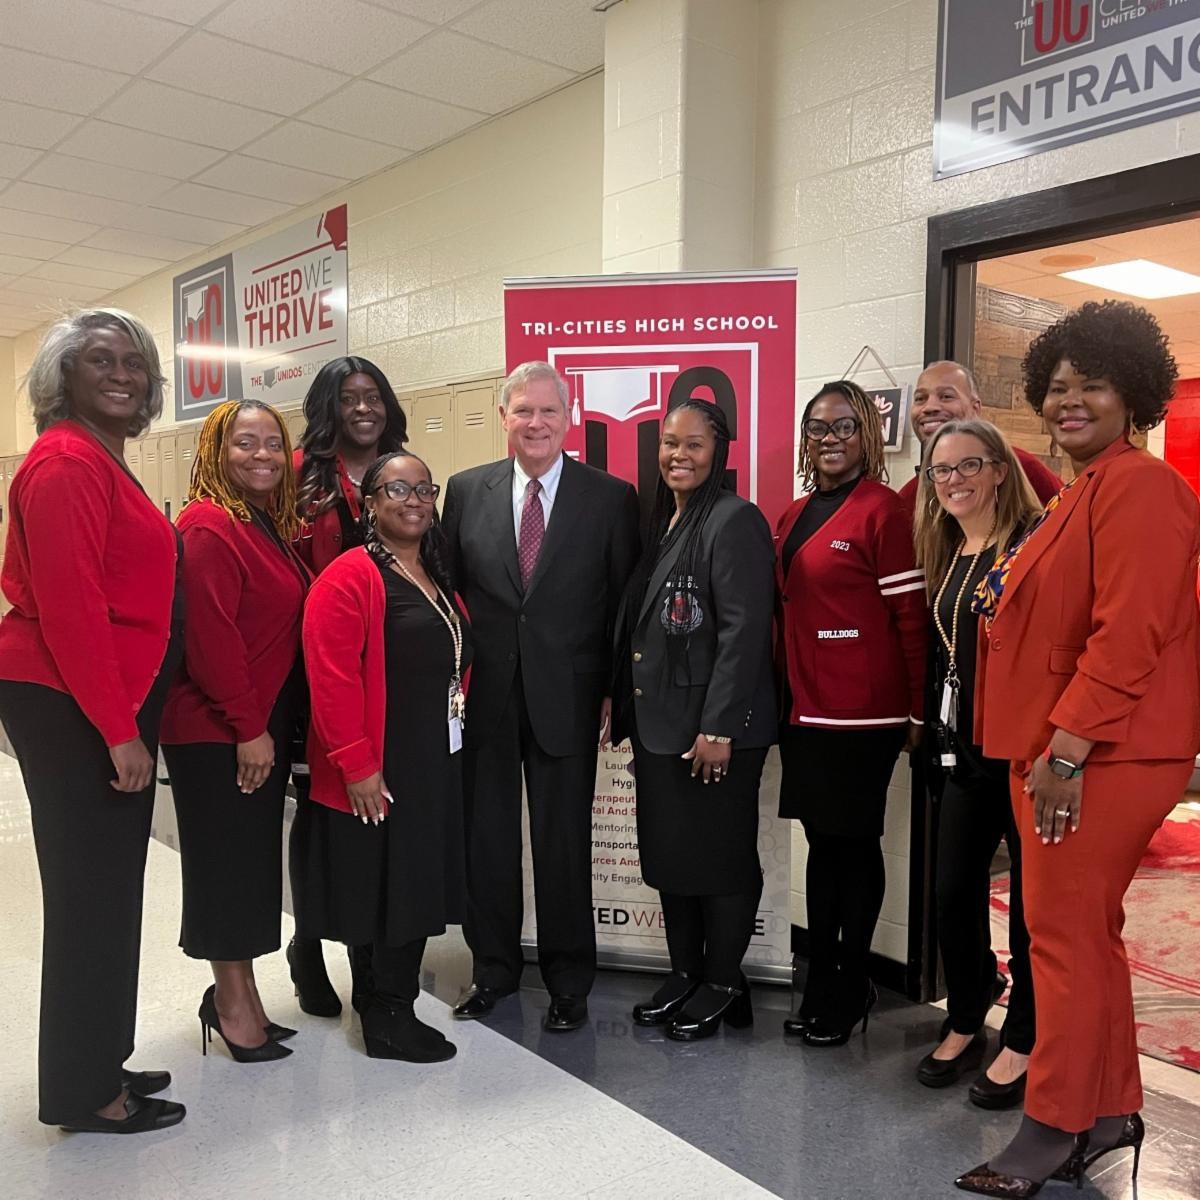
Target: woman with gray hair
86 654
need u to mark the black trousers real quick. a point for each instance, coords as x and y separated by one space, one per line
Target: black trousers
972 818
707 936
559 791
91 848
844 884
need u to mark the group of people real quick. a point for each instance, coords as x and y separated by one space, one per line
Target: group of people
312 615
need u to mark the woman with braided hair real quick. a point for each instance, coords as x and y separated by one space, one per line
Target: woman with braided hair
386 647
228 715
694 692
853 636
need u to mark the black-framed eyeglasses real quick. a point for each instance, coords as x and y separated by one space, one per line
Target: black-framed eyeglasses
844 428
968 467
399 489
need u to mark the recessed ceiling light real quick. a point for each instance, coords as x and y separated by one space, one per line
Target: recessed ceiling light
1063 262
1138 277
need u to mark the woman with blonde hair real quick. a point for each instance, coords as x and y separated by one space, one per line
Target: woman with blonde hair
227 722
973 499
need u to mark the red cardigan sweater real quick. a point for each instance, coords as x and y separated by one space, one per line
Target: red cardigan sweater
320 540
344 657
1044 482
244 601
855 620
89 568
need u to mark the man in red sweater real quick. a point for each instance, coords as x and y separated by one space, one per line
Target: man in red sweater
946 391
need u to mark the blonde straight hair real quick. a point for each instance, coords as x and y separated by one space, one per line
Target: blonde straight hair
937 535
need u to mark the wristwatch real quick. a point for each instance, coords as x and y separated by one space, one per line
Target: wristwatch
716 737
1063 767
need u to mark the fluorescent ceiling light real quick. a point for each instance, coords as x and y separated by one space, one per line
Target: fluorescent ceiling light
1138 277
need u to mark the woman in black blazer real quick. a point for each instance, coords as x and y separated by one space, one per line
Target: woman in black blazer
694 693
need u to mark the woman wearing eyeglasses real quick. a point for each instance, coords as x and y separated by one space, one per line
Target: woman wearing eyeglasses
386 648
973 499
853 642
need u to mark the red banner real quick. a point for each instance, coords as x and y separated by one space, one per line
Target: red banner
632 347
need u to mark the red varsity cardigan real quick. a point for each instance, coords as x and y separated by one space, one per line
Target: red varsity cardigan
344 657
89 568
854 616
242 631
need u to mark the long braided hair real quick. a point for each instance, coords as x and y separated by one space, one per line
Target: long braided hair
870 428
435 552
318 484
210 479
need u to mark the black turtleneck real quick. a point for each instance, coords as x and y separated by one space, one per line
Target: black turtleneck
820 507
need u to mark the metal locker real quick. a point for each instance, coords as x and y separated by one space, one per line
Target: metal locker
430 432
133 458
185 451
168 469
475 424
151 475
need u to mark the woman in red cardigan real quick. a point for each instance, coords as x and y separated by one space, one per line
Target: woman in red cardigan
385 647
86 654
228 717
853 640
352 418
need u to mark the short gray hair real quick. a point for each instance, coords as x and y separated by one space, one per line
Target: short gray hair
46 381
521 377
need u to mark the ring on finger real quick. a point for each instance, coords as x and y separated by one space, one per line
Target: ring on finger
1062 812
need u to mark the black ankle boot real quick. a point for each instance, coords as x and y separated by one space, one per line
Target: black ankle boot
307 965
391 1029
667 1001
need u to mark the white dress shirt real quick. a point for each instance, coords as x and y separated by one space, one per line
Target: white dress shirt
549 483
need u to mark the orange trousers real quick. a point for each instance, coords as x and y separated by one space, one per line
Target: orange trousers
1085 1063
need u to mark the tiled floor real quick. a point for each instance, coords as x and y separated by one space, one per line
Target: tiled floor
611 1112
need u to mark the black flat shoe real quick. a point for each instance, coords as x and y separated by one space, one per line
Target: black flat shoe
825 1033
942 1072
143 1116
1132 1137
735 1010
477 1001
658 1010
210 1019
985 1093
565 1014
146 1083
306 962
278 1033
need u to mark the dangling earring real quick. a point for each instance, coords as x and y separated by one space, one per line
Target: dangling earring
932 507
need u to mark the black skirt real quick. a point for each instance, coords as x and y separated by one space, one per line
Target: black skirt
697 838
230 846
836 780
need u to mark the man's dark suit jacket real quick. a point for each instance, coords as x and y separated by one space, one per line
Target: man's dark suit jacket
723 684
558 632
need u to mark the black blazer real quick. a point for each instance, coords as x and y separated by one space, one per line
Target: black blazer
557 634
725 686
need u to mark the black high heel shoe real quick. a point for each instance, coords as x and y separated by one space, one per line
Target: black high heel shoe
825 1033
306 963
210 1019
1132 1136
278 1033
983 1181
659 1012
734 1010
798 1025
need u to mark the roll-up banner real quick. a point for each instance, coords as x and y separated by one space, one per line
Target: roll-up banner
630 348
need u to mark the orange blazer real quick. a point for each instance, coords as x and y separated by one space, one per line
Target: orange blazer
1098 629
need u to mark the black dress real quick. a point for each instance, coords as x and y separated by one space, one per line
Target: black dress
404 879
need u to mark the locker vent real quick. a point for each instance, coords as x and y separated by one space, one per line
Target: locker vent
434 425
474 420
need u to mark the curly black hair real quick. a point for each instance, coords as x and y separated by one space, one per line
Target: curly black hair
1112 340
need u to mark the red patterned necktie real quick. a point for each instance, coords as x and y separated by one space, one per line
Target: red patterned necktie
533 530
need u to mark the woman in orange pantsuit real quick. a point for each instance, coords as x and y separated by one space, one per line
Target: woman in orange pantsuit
1089 683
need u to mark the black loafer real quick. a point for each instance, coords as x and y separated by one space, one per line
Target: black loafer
477 1001
142 1116
985 1093
566 1013
146 1083
942 1072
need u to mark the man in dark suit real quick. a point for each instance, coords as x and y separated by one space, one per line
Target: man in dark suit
542 546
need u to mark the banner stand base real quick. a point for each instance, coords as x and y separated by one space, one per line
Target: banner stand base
652 964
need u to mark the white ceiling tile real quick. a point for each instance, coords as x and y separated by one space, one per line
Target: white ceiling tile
345 35
434 11
312 148
448 66
14 160
82 32
105 143
183 227
31 247
186 12
26 285
218 67
25 125
17 264
388 115
42 225
65 273
571 35
200 201
108 260
253 177
125 241
24 78
60 202
179 114
113 180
